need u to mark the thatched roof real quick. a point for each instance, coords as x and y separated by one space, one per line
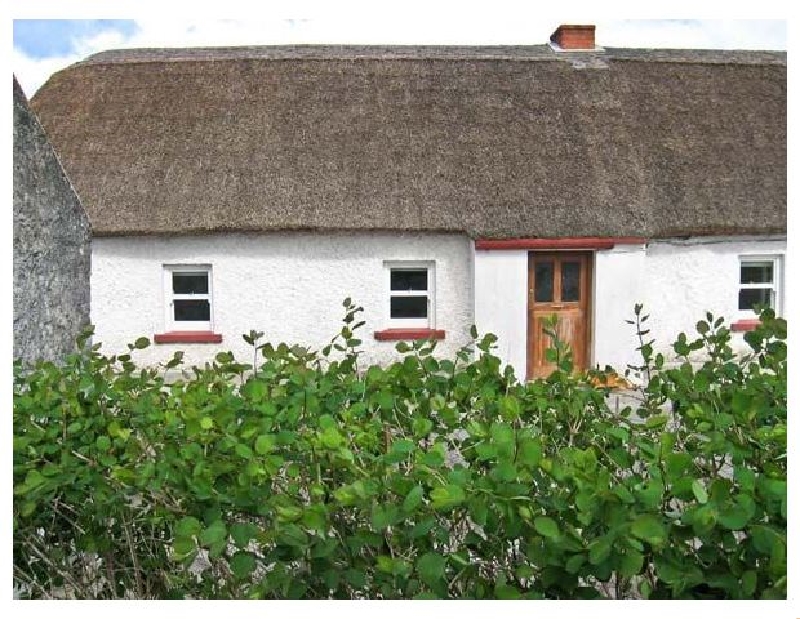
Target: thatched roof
492 141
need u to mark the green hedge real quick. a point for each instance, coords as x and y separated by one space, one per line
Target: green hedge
312 477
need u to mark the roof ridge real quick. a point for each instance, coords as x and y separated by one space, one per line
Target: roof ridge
539 52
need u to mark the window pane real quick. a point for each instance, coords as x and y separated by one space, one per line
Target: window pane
409 307
186 309
407 279
570 281
189 283
543 278
756 272
750 297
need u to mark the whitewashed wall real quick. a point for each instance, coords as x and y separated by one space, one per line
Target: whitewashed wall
686 278
289 285
501 303
676 280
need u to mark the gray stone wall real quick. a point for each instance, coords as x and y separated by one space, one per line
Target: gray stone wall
51 246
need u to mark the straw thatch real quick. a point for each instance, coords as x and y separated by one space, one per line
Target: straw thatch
491 141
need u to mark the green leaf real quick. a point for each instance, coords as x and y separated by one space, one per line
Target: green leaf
33 478
546 526
630 563
383 516
649 529
103 443
356 578
677 463
206 423
574 563
431 568
421 427
502 436
599 550
735 517
214 534
292 535
242 533
530 452
446 497
413 500
331 438
402 447
28 507
187 526
141 343
699 492
184 547
510 408
254 390
656 421
288 513
624 494
243 451
763 538
265 444
242 565
314 518
749 582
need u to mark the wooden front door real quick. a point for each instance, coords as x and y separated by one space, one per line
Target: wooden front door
558 283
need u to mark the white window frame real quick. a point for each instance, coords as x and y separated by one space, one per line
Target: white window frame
776 286
411 265
169 297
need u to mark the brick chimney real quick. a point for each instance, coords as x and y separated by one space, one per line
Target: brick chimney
574 37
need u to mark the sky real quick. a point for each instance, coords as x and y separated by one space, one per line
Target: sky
44 46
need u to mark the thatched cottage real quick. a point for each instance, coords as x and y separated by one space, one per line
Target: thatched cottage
245 188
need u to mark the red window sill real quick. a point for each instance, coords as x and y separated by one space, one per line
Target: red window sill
409 334
188 337
744 325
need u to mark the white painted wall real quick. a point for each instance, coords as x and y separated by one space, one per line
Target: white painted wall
676 280
501 303
289 285
620 282
687 278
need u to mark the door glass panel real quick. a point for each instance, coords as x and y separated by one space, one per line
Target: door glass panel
543 281
570 281
192 310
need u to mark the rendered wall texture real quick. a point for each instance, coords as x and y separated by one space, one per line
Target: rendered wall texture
51 246
678 281
289 285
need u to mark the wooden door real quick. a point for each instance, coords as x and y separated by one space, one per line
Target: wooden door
558 283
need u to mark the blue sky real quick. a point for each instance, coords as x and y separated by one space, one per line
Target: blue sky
46 38
44 46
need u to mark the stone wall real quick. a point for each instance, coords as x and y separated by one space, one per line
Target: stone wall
51 246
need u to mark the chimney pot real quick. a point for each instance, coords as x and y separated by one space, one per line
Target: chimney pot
574 37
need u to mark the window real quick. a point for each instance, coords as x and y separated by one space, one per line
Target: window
758 284
411 295
187 292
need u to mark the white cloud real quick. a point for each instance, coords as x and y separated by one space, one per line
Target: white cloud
408 27
697 34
